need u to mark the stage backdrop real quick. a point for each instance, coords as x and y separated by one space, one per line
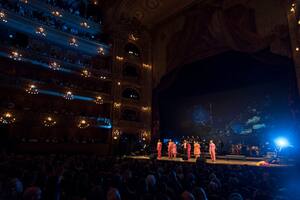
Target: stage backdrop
230 94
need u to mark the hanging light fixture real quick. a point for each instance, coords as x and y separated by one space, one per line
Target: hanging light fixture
3 17
54 65
7 118
68 95
99 100
32 89
49 122
40 31
56 13
83 124
15 55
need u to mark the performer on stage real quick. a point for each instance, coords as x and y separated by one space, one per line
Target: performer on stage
197 149
188 147
159 148
212 151
174 150
170 145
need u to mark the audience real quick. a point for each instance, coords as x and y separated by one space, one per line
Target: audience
92 177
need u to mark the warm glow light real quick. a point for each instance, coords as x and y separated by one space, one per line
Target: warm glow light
24 1
297 49
32 89
103 77
83 124
119 83
3 17
7 118
299 21
54 65
147 66
84 24
68 95
146 108
49 121
100 51
15 55
99 100
116 134
86 73
73 42
56 13
117 105
95 2
119 58
41 31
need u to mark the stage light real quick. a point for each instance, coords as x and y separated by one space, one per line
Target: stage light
282 142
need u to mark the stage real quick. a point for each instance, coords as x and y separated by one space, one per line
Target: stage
222 160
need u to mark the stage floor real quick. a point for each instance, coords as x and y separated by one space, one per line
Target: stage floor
249 161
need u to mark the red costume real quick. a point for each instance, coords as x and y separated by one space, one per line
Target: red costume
159 148
188 150
212 151
174 150
170 145
197 150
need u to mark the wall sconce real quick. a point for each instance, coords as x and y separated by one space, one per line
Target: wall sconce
117 105
100 51
297 49
119 58
103 77
146 108
84 24
86 73
132 37
73 42
145 135
147 66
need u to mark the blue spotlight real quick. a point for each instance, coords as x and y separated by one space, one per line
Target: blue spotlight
282 142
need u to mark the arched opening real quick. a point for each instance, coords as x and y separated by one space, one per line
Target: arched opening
132 49
130 93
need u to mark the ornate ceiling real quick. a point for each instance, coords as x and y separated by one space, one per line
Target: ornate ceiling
147 12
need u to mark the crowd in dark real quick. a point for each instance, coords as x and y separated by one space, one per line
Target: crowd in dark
78 177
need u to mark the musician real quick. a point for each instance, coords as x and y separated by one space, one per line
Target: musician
170 145
159 148
212 151
197 149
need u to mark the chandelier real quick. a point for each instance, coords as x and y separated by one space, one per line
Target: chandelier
73 42
68 95
15 55
32 89
116 134
99 100
54 65
83 124
7 118
3 17
40 31
49 121
85 73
